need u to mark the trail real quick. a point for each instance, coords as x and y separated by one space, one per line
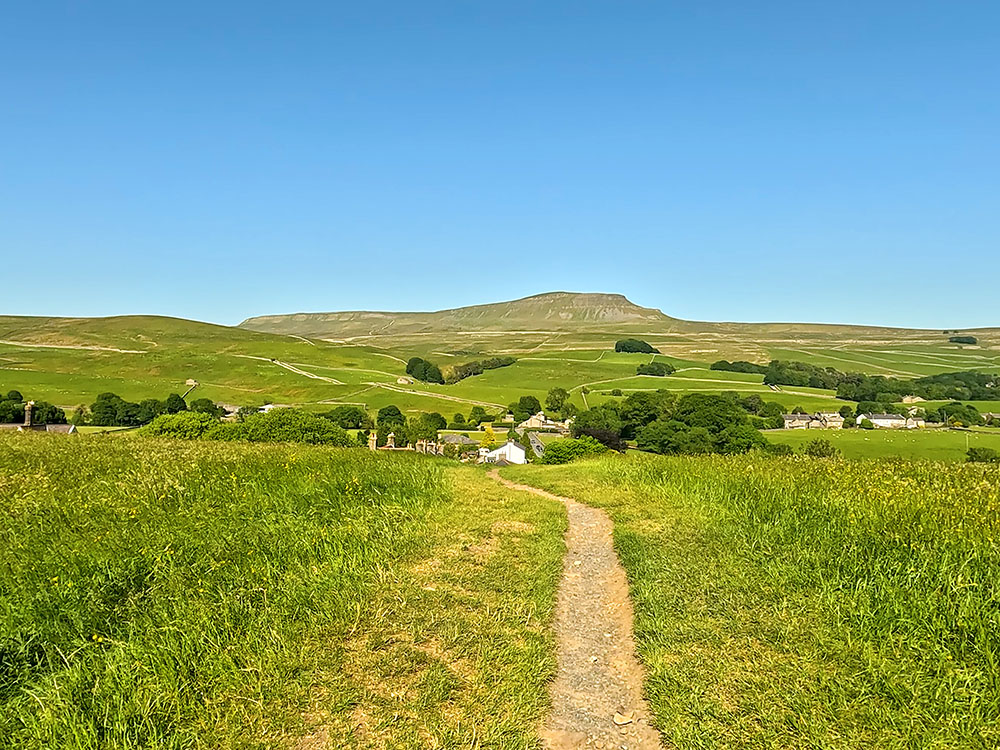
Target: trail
80 347
597 694
456 399
292 368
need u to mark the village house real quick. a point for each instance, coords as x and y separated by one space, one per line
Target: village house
541 422
28 425
831 420
886 421
797 421
509 453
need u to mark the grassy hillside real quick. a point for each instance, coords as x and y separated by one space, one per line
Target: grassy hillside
560 339
807 603
178 595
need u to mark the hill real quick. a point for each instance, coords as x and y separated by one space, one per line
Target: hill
553 311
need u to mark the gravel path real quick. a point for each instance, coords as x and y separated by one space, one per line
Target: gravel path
597 694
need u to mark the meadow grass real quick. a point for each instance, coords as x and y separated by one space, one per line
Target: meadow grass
932 443
191 595
791 602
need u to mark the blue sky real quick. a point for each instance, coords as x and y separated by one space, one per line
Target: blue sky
718 160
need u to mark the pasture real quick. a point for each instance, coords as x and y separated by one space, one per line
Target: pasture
931 444
175 595
807 603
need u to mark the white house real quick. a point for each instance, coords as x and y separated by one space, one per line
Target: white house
510 452
885 421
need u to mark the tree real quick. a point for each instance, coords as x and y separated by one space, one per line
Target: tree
207 406
866 424
655 369
15 396
528 405
635 345
175 404
390 415
185 425
349 417
555 400
426 426
847 411
459 418
246 411
604 417
714 413
478 415
423 370
46 413
489 441
150 409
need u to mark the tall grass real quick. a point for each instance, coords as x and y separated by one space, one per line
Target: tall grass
792 602
157 594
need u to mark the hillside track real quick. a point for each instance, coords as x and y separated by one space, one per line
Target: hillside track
597 697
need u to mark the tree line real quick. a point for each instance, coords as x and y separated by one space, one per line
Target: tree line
12 410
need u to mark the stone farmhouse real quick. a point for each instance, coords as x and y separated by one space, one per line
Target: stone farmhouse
541 422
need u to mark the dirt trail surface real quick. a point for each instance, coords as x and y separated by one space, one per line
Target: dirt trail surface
597 694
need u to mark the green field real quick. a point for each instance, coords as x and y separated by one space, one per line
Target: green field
563 340
932 444
807 603
180 595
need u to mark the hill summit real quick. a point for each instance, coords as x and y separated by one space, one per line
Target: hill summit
552 311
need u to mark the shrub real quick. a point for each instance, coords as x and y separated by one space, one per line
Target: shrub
866 424
983 455
185 425
778 449
656 369
821 448
570 449
284 426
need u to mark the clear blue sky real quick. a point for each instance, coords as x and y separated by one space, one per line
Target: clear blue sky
719 160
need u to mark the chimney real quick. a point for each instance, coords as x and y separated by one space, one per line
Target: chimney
27 413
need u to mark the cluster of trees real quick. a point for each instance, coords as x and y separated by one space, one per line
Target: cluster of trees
349 417
695 423
570 449
740 365
111 410
421 369
635 345
12 410
963 340
477 367
856 386
658 369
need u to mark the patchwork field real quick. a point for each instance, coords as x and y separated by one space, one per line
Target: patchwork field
177 595
931 444
807 603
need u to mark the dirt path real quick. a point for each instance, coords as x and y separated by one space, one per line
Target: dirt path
597 694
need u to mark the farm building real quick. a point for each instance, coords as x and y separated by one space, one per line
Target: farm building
831 420
541 422
797 421
510 452
885 421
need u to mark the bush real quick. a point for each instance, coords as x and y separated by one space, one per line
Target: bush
866 424
284 426
983 455
570 449
656 369
778 449
184 425
821 448
423 370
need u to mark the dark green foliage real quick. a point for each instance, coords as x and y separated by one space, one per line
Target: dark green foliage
175 403
604 417
739 366
556 400
283 426
426 426
206 406
349 417
701 423
12 411
390 415
963 340
14 396
965 415
635 345
778 449
802 374
425 371
656 369
983 455
866 424
564 451
478 367
111 410
821 448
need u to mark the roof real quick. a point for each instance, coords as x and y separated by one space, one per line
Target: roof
831 415
66 429
788 417
458 440
883 416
